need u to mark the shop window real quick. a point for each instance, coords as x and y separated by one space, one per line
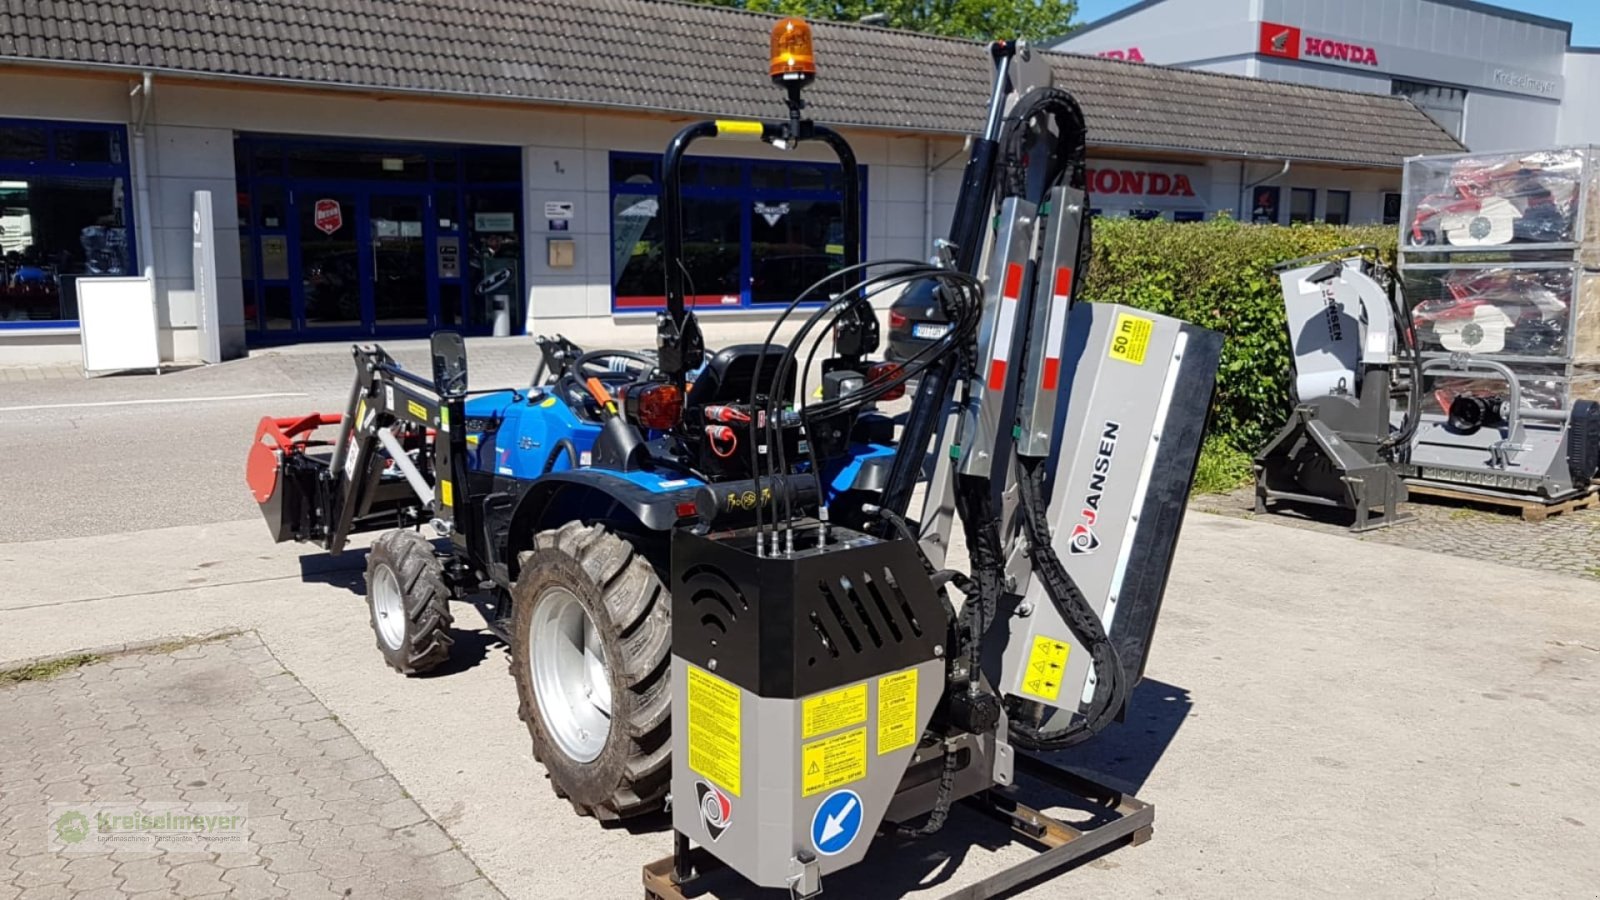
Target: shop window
64 214
492 164
785 238
1302 205
24 143
1144 215
1445 105
88 145
1264 205
756 232
1188 215
1338 208
1391 209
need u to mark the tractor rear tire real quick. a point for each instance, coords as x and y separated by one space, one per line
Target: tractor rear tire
408 602
591 638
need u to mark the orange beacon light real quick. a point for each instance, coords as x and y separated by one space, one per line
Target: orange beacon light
792 60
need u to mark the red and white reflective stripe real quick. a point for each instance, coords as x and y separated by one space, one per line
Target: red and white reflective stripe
1055 329
1007 326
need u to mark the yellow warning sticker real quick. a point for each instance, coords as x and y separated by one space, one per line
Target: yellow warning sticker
833 711
714 729
447 492
444 418
417 409
1047 662
897 711
1131 340
831 762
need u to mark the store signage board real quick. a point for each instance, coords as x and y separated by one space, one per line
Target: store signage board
495 222
117 324
327 216
206 301
1293 43
1118 184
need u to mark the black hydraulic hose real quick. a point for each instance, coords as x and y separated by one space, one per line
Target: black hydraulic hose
1111 686
1407 329
562 446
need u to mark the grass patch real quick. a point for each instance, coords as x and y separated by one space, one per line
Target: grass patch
1222 468
44 671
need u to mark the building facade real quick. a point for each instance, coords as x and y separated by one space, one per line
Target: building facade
376 176
1493 77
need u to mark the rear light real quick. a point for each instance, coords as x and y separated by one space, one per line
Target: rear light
687 509
897 320
886 371
654 406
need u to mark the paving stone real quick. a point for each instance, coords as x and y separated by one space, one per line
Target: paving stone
325 819
1562 544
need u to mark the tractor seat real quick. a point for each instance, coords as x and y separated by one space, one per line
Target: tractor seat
728 376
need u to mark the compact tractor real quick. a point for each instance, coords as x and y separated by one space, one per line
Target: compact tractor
706 566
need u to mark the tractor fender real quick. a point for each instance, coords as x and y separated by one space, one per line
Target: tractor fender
638 502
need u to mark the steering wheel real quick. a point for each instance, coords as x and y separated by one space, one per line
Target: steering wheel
573 384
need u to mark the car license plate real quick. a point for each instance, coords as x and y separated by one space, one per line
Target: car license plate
929 331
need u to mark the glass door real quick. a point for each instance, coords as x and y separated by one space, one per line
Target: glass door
398 251
330 264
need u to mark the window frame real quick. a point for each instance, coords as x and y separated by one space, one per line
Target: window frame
1327 206
1311 215
53 167
745 194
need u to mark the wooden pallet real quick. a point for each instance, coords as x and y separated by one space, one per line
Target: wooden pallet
1533 509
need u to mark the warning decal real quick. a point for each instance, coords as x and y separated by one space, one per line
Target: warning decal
417 409
1046 663
1131 341
833 711
897 711
714 729
446 493
831 762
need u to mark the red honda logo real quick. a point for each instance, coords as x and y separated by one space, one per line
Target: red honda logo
1280 40
327 216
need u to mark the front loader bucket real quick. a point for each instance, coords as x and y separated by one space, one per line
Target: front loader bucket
284 478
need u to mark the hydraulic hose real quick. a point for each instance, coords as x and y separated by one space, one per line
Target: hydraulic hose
1110 690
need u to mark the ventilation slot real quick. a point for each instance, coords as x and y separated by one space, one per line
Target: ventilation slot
883 608
705 571
861 611
822 633
905 602
838 615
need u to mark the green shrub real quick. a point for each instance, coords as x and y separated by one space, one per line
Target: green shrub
1218 275
1222 467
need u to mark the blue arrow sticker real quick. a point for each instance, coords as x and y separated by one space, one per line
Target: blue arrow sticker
836 822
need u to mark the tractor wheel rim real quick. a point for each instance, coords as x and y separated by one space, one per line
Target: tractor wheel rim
571 680
389 608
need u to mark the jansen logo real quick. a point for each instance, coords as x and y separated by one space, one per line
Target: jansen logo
1083 539
327 216
715 809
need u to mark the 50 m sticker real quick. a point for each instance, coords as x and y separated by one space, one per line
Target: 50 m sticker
1131 339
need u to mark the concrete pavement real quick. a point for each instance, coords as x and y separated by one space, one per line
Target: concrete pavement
1321 717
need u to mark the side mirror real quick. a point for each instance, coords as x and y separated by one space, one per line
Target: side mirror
449 351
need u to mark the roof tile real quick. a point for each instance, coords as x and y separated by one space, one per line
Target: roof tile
685 58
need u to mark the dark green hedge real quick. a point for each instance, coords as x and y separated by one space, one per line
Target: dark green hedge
1219 275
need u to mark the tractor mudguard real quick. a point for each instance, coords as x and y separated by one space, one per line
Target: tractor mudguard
650 499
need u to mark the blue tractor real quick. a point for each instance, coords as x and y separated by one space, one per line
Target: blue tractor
558 501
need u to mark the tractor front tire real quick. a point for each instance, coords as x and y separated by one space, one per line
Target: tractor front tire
408 602
590 642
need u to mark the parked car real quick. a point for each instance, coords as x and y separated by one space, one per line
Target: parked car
915 321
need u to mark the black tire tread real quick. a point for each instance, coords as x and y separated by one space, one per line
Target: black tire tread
636 603
426 597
